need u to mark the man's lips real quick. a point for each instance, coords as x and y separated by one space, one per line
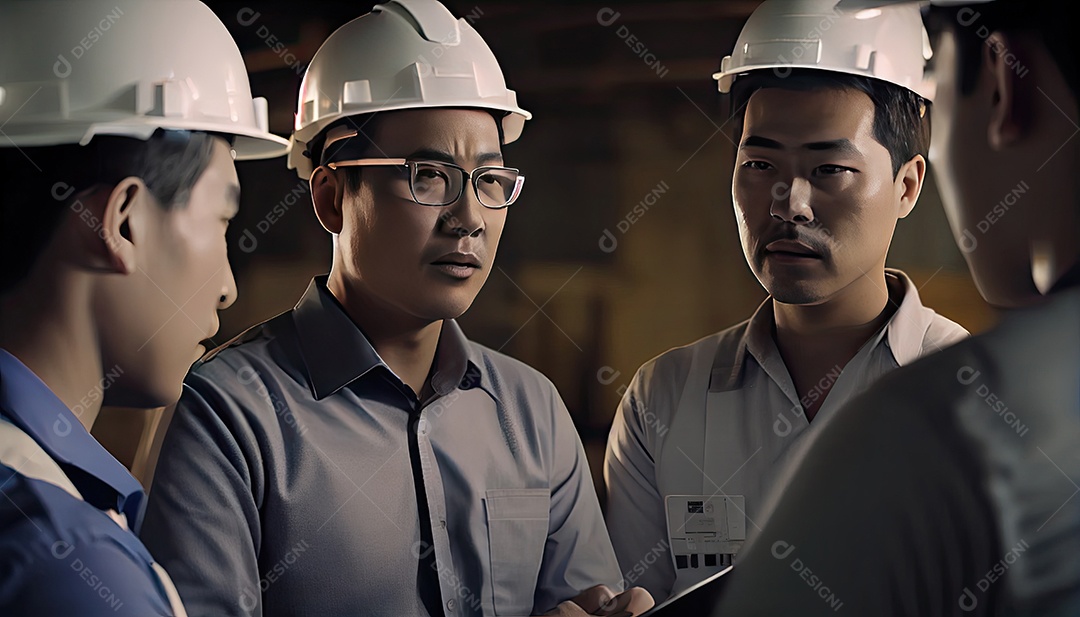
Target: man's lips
466 260
792 248
458 265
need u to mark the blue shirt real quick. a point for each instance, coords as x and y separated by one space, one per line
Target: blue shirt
60 555
300 475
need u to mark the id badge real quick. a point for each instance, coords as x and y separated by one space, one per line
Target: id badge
705 531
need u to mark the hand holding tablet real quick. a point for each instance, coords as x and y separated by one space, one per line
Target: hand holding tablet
698 599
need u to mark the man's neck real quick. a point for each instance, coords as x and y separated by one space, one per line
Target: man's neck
819 340
410 354
50 329
407 344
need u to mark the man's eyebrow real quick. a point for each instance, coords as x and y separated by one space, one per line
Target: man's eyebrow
428 154
756 141
489 157
843 146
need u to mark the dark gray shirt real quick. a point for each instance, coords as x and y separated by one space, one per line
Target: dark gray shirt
301 476
950 488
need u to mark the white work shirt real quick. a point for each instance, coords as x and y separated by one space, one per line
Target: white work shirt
704 432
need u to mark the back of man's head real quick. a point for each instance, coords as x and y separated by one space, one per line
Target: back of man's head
45 183
973 24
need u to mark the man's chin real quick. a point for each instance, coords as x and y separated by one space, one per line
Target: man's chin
450 309
799 295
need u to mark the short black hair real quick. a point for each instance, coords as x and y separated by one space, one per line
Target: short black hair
972 25
363 144
901 117
42 182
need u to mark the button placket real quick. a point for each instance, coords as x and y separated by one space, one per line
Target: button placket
437 511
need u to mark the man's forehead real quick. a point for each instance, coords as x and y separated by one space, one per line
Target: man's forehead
795 117
461 131
220 178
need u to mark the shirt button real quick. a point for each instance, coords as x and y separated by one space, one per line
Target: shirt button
450 604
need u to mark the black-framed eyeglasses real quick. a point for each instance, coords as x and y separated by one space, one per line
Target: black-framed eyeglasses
434 183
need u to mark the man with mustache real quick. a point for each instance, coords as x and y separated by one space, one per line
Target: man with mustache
833 123
950 487
358 455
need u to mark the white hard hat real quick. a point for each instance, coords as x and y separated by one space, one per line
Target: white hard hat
405 54
860 5
74 69
887 43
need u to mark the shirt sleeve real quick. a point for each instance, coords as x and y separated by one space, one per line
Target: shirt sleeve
202 519
635 509
885 515
93 577
578 553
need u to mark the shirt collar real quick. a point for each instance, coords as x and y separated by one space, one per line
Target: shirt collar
904 331
29 404
336 353
454 365
907 328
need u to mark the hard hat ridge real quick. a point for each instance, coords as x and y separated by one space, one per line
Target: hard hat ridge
74 69
404 54
887 43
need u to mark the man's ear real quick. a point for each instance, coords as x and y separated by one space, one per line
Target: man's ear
327 195
115 239
1007 108
909 183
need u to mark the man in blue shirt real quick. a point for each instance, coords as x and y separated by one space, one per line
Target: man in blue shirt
358 454
120 183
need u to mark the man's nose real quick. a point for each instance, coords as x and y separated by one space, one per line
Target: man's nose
791 202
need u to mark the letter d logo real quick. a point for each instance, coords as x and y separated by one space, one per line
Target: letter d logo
61 549
966 375
781 549
247 601
62 68
608 242
607 16
248 242
782 426
968 601
968 242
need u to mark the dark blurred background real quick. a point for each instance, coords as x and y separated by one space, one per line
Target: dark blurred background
626 116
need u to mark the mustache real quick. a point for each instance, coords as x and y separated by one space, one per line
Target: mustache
813 236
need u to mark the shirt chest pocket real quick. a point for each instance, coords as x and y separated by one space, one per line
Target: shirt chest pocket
517 522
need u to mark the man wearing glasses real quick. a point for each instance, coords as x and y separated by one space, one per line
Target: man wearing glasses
357 454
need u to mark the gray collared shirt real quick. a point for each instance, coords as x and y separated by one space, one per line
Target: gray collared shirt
964 497
720 419
289 479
